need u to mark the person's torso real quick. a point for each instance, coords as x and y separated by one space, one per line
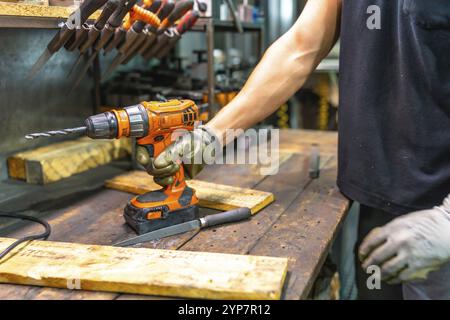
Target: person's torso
395 103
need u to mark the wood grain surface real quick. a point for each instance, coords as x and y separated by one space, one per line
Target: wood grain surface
143 271
62 160
38 11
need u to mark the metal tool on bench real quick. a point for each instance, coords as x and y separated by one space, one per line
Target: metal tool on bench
198 224
166 9
186 24
94 31
68 29
156 41
314 162
153 124
106 35
132 28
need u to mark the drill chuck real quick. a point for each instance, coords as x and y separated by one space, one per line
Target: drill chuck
102 126
130 122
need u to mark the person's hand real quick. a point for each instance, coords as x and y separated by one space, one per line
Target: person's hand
410 247
193 150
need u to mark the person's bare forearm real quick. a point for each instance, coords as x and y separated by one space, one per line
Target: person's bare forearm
284 68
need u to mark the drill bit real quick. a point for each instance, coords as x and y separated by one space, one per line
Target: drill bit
65 132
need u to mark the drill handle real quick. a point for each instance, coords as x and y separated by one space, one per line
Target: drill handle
179 182
156 145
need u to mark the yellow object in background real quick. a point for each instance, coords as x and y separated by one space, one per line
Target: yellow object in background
324 105
283 117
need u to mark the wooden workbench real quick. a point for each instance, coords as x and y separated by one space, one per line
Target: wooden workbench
301 224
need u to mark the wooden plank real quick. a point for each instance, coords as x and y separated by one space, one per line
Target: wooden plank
305 232
211 195
16 162
31 10
143 271
62 160
94 220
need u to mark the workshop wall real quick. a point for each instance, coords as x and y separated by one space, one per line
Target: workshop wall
41 103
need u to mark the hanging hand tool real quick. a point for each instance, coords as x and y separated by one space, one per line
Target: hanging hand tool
163 13
180 10
198 224
107 33
234 14
155 43
186 24
202 6
121 33
160 10
155 125
78 37
95 30
67 30
133 29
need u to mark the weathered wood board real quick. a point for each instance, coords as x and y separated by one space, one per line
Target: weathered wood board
62 160
143 271
39 11
301 141
211 195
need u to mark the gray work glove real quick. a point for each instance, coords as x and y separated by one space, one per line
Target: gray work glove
410 247
194 150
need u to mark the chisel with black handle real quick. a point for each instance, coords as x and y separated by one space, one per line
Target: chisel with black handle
156 41
124 33
114 22
133 29
186 24
165 10
76 19
140 35
206 222
95 30
181 9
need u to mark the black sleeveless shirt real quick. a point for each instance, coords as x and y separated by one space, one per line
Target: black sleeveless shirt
394 113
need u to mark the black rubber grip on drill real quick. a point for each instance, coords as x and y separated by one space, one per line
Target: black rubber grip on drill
120 13
107 12
227 217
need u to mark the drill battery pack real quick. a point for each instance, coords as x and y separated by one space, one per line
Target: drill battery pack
152 215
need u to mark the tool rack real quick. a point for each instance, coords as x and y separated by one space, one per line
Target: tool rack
49 17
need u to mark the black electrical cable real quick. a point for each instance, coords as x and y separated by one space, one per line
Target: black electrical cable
43 236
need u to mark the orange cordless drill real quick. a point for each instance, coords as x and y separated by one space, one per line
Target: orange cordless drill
153 124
